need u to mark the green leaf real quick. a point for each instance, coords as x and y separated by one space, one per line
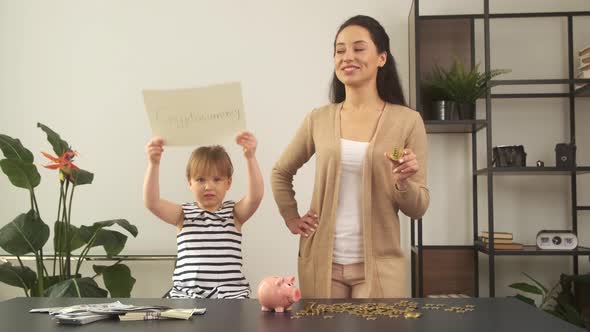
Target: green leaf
21 174
73 234
112 241
554 313
121 222
13 149
571 314
82 177
117 279
527 288
27 233
76 287
582 278
17 276
459 83
525 299
537 283
47 283
59 145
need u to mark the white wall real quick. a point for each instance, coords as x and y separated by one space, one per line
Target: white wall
79 67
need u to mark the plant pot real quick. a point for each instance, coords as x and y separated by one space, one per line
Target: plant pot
444 110
466 111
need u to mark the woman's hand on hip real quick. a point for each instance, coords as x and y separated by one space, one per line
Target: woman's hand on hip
403 168
305 225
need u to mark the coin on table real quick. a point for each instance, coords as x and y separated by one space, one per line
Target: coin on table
412 315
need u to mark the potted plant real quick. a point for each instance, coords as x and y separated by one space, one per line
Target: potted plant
567 299
28 233
460 86
436 90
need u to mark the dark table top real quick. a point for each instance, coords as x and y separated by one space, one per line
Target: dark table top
497 314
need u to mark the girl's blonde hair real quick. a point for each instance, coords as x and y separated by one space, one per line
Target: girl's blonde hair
208 160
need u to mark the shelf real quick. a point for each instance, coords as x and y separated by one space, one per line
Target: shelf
540 81
454 126
529 95
437 40
534 251
505 15
441 247
533 170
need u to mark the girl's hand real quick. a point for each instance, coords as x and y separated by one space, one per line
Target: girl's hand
154 150
248 142
403 168
305 225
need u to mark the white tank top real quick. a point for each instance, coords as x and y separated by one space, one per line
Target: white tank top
348 237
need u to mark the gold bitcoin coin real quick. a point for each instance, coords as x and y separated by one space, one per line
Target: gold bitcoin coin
412 315
396 154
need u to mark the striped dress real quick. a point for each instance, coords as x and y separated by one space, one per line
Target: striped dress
209 259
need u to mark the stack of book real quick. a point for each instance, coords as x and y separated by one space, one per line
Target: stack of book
502 241
584 63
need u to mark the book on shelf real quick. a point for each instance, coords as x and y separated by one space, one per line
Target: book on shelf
584 60
584 52
506 246
497 235
496 241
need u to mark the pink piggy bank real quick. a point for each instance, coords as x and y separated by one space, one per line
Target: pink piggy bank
278 293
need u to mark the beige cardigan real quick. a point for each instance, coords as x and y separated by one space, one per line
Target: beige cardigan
385 265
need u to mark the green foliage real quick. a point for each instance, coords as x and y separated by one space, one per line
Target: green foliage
28 234
459 84
558 301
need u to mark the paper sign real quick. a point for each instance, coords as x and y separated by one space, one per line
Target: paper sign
201 116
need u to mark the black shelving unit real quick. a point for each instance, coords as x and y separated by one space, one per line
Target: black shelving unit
436 37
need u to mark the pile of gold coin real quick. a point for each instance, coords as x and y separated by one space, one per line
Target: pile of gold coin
368 311
372 311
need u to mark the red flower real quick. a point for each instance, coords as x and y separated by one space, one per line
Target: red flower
65 162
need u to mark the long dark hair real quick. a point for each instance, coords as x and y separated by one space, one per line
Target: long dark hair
388 85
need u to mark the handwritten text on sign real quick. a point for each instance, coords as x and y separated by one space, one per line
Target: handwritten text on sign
201 116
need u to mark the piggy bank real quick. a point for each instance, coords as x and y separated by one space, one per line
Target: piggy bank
277 293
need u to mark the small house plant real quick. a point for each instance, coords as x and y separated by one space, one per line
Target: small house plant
567 299
459 86
27 234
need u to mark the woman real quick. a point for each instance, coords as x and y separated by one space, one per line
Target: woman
350 238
